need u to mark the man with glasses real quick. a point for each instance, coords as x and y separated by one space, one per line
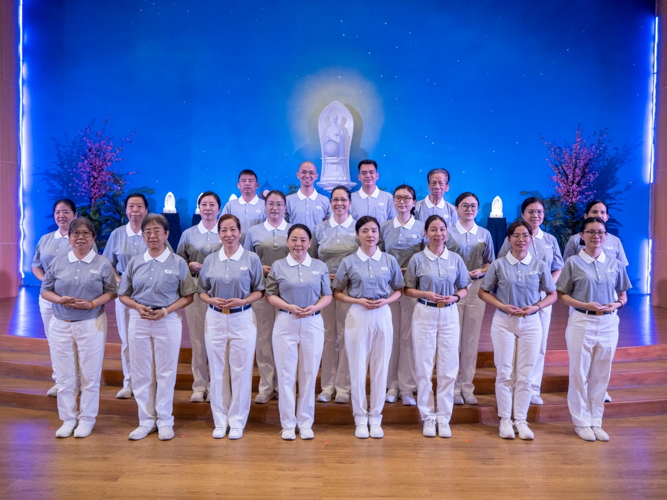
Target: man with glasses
370 200
434 203
307 206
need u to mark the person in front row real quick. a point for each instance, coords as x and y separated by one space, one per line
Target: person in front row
595 285
369 280
156 284
516 330
369 200
229 282
299 287
307 206
78 284
434 203
249 208
438 279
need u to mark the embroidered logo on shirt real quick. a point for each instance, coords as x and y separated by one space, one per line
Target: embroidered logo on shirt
244 268
381 204
384 268
414 236
258 211
316 272
318 207
168 271
94 271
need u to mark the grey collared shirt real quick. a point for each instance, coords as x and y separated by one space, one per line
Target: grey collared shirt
123 245
332 242
612 247
50 246
424 209
82 279
233 277
249 214
475 246
379 205
268 242
157 282
589 280
402 242
519 282
197 243
299 284
365 277
443 274
544 247
307 210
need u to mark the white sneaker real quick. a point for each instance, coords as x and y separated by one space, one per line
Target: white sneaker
458 399
165 433
197 397
124 393
288 434
607 397
376 432
392 396
324 397
84 429
506 428
261 399
444 431
53 392
408 399
535 399
523 431
235 433
429 428
600 435
219 432
585 433
470 399
66 429
306 433
342 397
361 431
141 432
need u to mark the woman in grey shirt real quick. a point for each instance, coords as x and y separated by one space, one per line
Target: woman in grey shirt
156 284
78 284
594 284
229 282
299 287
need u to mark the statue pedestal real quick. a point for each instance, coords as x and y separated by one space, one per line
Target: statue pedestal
328 185
497 226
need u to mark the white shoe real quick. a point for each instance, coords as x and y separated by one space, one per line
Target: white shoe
124 393
342 397
84 429
165 433
361 431
376 432
458 399
600 435
535 399
219 432
53 392
444 431
288 434
585 433
607 397
523 431
429 428
306 433
392 396
197 397
506 428
236 433
324 397
208 396
66 429
408 399
141 432
470 399
261 399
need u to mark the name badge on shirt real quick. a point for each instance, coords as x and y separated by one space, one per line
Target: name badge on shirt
168 271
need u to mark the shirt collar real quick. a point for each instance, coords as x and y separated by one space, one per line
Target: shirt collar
513 260
431 256
251 202
59 236
236 256
540 234
290 260
364 257
269 227
129 232
160 258
375 194
87 259
345 224
303 196
408 225
429 204
203 230
462 229
589 260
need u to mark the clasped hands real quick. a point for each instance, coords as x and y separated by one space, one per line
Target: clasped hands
74 303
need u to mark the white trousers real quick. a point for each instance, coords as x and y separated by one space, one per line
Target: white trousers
230 344
401 373
538 371
591 344
195 315
46 311
154 347
516 345
78 345
368 340
265 315
122 322
436 330
297 348
471 314
335 374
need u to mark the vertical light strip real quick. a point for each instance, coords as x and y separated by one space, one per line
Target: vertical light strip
21 136
649 258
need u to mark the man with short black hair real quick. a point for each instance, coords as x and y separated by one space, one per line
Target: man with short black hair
249 208
370 200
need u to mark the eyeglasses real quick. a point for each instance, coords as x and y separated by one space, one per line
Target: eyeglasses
404 199
339 200
535 212
157 232
595 233
517 237
277 204
82 234
466 207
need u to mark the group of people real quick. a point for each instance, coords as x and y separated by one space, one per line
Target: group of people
361 284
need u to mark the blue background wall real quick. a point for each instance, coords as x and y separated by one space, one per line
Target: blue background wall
211 87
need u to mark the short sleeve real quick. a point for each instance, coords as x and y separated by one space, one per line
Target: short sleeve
256 274
546 280
392 209
247 244
126 281
37 259
462 275
622 281
490 279
396 281
325 287
109 279
271 283
570 249
328 215
312 251
504 249
488 256
227 209
410 278
187 285
564 283
621 254
110 249
341 280
180 250
557 263
49 282
203 282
